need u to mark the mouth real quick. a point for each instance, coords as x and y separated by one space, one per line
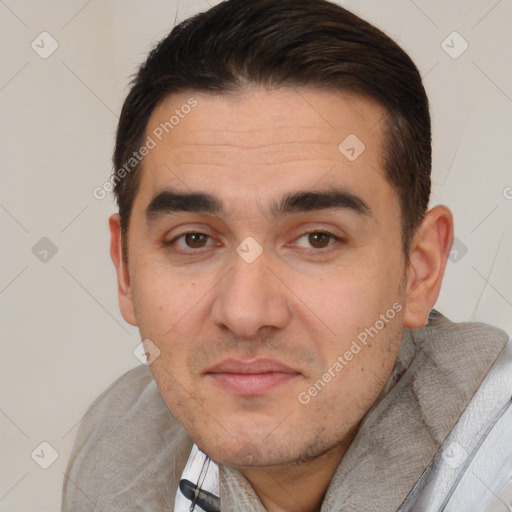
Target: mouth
251 378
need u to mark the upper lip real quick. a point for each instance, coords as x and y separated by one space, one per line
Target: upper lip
251 366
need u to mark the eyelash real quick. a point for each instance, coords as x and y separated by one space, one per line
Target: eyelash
316 231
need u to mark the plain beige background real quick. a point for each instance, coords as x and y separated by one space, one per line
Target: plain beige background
63 338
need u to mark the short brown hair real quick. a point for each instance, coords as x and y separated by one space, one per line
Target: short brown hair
286 42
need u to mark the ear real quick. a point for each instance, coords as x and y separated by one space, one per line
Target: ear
124 291
428 256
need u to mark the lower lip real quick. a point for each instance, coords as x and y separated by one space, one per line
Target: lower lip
253 383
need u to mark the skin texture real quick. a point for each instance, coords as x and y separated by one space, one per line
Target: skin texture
303 301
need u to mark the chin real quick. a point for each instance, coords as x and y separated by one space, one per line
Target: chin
243 453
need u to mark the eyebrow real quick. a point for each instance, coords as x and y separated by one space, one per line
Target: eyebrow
167 202
306 201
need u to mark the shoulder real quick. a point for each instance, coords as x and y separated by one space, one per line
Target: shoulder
458 356
462 335
125 445
471 468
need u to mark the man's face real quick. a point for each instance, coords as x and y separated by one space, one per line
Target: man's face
246 338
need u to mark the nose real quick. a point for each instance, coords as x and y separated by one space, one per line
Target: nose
251 299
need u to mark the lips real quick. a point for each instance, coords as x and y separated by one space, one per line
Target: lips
251 378
251 367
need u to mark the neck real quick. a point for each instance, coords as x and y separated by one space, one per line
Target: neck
299 487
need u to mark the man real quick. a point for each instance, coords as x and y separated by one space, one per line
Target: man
274 248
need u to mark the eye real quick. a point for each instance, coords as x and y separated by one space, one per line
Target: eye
190 240
318 239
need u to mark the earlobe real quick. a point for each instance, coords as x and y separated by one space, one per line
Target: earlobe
124 290
428 256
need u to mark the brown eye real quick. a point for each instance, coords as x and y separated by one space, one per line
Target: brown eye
319 240
189 242
195 240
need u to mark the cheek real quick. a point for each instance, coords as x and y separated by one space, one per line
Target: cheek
348 299
161 301
166 315
358 312
357 371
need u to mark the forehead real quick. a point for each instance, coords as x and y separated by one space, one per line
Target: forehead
258 140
